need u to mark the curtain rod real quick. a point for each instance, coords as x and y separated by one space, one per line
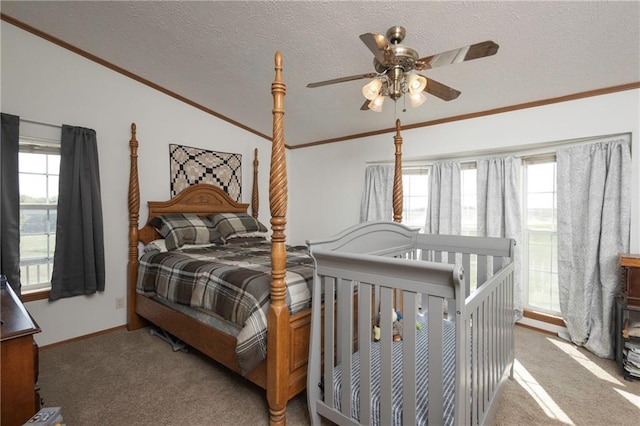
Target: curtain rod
522 151
41 123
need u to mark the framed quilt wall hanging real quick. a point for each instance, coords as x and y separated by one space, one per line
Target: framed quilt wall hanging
190 166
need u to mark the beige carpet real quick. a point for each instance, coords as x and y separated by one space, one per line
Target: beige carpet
133 378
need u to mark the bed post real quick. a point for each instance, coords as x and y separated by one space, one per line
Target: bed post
254 194
278 316
397 176
133 320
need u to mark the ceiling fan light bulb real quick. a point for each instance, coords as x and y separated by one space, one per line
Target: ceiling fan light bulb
376 104
417 99
372 89
416 83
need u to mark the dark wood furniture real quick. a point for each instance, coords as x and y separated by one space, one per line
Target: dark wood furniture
630 289
627 307
19 361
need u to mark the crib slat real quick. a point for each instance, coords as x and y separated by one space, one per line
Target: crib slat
492 342
364 343
466 265
409 376
483 365
488 342
501 326
345 333
497 264
481 269
434 362
474 365
386 342
329 342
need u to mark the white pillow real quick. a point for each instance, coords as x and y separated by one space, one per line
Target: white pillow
156 245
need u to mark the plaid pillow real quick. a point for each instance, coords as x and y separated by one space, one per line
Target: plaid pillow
179 229
232 225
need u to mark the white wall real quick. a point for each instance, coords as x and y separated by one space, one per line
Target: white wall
44 82
327 180
41 81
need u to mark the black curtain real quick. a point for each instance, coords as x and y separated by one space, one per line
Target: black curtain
78 262
10 202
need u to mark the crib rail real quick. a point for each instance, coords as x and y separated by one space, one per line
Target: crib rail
481 257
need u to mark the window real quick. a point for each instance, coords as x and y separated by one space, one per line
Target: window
540 277
38 170
415 185
540 253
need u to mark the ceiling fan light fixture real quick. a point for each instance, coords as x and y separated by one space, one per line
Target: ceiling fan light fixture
416 83
376 104
371 90
417 99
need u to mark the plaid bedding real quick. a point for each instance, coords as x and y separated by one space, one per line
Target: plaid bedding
232 280
234 224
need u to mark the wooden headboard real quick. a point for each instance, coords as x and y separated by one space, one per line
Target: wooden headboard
202 199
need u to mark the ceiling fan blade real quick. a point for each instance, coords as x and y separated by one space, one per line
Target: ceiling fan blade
342 79
440 90
380 47
365 105
467 53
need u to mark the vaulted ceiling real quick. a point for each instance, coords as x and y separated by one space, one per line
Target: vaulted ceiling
219 54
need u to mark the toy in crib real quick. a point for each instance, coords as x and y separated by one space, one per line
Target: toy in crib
397 326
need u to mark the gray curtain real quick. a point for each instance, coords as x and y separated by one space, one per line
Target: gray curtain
10 202
377 198
498 186
78 263
594 214
444 207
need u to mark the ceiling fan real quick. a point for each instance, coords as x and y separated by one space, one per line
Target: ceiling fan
396 67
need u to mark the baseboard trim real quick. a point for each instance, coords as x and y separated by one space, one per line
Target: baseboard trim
539 316
83 337
541 326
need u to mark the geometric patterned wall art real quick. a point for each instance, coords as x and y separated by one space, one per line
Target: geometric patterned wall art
194 165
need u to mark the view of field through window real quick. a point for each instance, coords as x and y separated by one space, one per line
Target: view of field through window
38 180
415 184
540 232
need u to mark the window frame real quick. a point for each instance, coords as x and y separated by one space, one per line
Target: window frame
422 170
32 145
527 232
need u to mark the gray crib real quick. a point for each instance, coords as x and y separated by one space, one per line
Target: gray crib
456 347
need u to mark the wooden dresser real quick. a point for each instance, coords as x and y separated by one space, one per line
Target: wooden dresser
19 360
630 288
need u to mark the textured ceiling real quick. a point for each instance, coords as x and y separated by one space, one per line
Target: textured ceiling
220 54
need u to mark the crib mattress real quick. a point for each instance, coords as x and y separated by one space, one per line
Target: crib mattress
421 372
